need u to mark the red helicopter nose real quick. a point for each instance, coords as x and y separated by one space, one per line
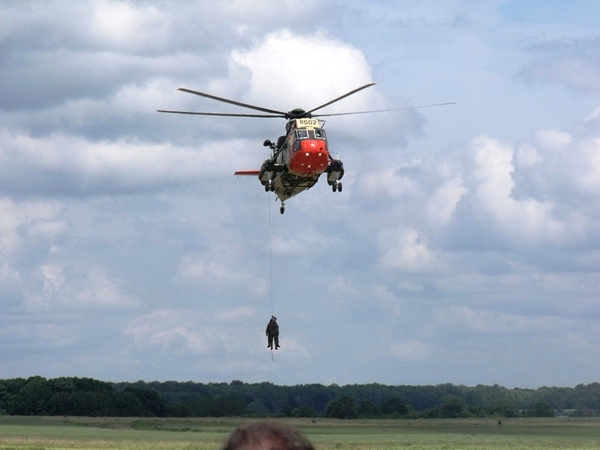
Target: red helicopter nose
311 158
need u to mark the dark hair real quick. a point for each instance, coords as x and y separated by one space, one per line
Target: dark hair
266 436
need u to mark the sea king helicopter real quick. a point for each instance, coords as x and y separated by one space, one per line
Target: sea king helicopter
299 157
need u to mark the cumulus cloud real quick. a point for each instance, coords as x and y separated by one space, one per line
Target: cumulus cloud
325 68
66 287
525 220
176 331
572 63
221 273
563 171
444 199
201 334
571 156
126 27
341 68
23 222
411 351
494 322
405 249
29 231
73 166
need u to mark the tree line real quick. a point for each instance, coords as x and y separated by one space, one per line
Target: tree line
88 397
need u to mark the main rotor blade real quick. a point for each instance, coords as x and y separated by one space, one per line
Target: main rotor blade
193 113
383 110
232 102
340 98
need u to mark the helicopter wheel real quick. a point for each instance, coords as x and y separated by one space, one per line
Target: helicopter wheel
282 209
339 186
271 186
334 187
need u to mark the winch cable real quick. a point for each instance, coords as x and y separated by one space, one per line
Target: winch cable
271 258
271 263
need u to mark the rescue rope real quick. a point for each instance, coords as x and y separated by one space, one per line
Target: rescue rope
271 264
271 257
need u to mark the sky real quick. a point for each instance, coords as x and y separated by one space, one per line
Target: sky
464 248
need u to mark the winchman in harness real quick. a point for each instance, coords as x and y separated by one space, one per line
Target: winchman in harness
272 333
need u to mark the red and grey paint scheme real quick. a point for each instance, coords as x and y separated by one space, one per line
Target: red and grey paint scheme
297 161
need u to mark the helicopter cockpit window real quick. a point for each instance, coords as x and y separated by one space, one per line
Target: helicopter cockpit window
316 133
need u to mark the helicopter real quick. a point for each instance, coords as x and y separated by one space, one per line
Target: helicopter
298 158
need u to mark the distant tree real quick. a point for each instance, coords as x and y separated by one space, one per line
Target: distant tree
452 406
341 408
367 408
229 406
500 409
124 404
394 406
540 409
35 395
257 408
201 406
432 413
305 411
150 400
179 410
286 411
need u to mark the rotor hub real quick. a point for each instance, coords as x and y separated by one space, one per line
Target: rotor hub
298 113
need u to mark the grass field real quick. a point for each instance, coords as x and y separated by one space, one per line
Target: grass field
37 433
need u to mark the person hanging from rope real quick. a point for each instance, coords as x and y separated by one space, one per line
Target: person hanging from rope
272 333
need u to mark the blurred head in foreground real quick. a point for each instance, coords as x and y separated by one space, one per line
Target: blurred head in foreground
267 436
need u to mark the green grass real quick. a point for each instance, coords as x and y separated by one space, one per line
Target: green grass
37 433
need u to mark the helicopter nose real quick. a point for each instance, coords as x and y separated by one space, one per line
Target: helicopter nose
312 158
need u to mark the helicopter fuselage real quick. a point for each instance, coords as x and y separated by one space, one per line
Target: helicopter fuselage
298 160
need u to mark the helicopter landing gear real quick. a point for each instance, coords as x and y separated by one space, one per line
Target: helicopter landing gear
336 186
269 186
282 208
